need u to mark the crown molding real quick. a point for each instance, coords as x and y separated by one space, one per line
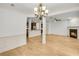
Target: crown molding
64 11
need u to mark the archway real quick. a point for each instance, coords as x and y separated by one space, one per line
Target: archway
34 23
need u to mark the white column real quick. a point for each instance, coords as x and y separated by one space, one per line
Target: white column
44 31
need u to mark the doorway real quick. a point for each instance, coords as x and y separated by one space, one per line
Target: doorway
33 28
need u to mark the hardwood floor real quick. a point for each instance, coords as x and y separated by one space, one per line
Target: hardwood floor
56 46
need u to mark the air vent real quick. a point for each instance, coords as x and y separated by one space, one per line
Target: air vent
12 5
57 19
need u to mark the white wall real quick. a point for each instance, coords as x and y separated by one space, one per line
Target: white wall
58 27
74 21
34 33
49 27
12 23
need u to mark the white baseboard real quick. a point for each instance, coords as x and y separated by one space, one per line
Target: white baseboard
8 43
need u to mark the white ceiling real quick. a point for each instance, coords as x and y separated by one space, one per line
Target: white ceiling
27 8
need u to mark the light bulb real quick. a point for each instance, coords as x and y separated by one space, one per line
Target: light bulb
43 8
42 13
36 13
46 11
35 9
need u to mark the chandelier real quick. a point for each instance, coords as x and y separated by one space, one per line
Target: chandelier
40 11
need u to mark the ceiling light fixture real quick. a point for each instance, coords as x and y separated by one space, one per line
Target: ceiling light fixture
40 11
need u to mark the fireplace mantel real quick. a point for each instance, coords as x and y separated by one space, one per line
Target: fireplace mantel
73 27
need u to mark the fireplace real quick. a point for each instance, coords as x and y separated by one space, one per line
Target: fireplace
73 33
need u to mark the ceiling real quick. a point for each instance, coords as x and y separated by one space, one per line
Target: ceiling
28 8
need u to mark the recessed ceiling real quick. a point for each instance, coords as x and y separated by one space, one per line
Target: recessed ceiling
28 8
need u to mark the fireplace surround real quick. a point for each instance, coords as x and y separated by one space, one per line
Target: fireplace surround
73 31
